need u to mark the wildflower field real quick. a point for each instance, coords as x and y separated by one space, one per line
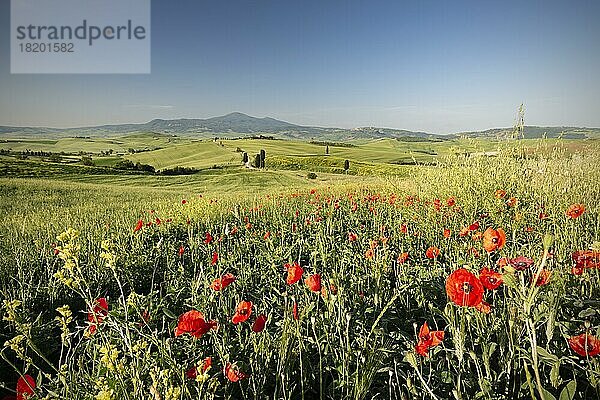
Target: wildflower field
471 278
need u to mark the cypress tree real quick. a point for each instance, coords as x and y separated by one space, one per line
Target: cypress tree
262 158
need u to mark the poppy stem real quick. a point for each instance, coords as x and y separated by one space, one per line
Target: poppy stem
534 357
433 396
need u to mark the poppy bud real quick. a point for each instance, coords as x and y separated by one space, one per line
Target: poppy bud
548 241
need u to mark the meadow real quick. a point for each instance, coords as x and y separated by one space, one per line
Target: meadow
425 271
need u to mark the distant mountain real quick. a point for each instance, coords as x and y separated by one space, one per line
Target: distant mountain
237 124
533 132
233 123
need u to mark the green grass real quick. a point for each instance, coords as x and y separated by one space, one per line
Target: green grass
201 154
138 141
232 180
164 152
355 341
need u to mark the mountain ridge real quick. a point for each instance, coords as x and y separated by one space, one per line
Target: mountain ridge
240 124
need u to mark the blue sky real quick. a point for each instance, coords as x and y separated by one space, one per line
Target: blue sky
436 66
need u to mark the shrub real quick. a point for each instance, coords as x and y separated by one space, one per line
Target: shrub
87 160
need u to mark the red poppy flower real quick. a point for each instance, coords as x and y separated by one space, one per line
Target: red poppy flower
502 262
474 226
500 194
193 322
233 230
352 237
206 364
314 282
586 259
192 373
575 270
215 258
490 279
521 263
403 228
543 278
324 292
184 201
140 225
484 307
25 386
428 339
447 233
295 272
259 324
97 314
333 289
369 254
402 258
222 282
511 202
464 288
233 373
267 235
493 239
585 345
100 310
242 312
181 250
432 252
208 238
575 211
450 201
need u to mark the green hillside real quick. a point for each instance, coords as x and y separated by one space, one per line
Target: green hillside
205 154
197 154
367 156
137 141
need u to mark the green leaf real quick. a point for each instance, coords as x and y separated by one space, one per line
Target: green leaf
410 358
446 377
169 313
588 312
510 280
492 348
548 241
555 374
547 394
545 356
568 393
